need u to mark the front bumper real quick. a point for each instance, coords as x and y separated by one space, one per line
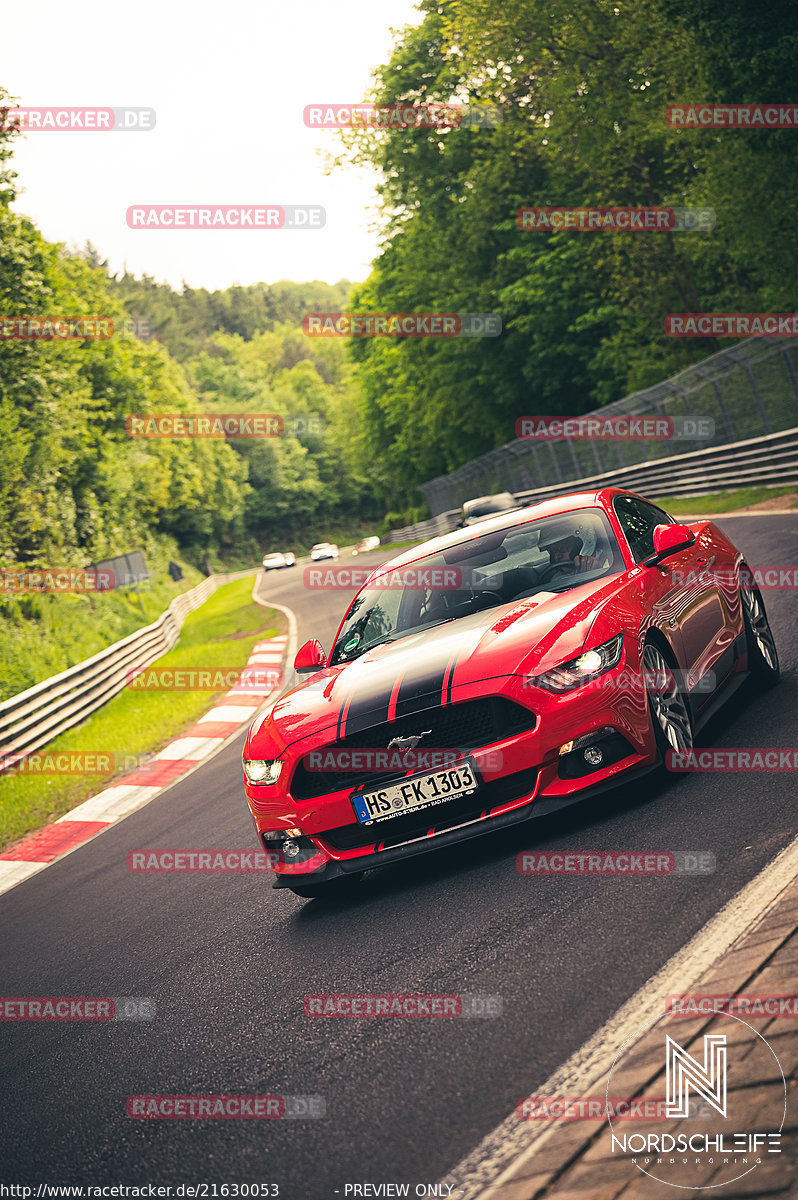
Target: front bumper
530 781
337 869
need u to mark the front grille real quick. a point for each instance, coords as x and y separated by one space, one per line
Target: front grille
465 726
440 817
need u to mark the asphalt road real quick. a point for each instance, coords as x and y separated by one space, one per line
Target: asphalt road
229 961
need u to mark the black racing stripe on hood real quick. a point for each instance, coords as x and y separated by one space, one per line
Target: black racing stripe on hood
452 667
341 725
368 705
422 685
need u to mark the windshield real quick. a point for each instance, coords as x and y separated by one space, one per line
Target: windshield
499 568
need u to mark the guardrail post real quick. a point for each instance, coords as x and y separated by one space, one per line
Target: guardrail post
742 362
785 352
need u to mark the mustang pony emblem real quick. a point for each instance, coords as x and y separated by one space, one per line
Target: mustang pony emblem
408 743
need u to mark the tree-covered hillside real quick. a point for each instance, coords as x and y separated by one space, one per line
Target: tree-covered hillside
75 487
582 86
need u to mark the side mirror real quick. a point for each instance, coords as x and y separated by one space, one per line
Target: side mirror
669 539
310 657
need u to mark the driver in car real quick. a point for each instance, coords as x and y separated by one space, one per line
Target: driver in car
566 550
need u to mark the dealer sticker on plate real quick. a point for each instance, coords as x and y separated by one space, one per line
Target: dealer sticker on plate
419 791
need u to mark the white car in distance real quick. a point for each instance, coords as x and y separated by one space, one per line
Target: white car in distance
274 562
323 550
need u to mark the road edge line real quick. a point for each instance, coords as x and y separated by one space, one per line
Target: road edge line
510 1144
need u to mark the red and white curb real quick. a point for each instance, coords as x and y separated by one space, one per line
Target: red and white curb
133 791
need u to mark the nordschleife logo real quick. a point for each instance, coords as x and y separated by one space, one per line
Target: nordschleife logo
718 1128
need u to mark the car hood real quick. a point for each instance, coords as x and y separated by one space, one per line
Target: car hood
527 637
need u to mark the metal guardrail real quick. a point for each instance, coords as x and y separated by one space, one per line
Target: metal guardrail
763 461
34 717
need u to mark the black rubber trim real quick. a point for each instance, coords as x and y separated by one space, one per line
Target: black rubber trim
535 808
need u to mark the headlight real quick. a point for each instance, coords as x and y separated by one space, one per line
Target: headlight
584 668
259 771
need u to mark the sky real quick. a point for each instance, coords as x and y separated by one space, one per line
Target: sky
228 83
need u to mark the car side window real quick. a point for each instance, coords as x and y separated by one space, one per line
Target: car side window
638 521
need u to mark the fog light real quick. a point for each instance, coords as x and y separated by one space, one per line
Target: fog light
593 755
290 849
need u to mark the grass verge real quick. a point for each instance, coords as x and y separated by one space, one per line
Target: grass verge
218 636
722 502
43 634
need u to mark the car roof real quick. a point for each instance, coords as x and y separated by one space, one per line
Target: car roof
570 502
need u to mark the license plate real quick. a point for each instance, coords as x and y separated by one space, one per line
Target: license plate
419 791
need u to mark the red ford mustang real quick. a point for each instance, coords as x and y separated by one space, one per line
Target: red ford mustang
499 673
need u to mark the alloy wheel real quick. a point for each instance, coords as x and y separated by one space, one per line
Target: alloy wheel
668 707
759 627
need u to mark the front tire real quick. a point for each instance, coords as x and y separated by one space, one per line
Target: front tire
763 659
670 712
